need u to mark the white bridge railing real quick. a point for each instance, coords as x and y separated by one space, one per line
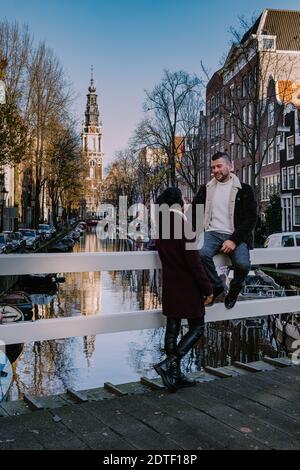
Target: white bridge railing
57 328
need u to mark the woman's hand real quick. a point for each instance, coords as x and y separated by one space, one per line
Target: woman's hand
208 299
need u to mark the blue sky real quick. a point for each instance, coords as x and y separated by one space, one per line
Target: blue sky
130 43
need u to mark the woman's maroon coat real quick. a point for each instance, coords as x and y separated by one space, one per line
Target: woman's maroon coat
184 280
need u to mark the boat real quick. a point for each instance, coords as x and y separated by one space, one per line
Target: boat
18 299
10 314
6 375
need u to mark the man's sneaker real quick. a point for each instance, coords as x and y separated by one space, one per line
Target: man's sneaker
216 293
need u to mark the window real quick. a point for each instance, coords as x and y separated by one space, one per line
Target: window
287 240
232 130
246 86
256 175
208 108
271 114
244 174
250 114
263 189
283 179
297 213
222 125
264 153
92 169
222 96
269 43
297 177
297 240
277 149
249 174
245 121
231 96
290 147
291 177
270 157
244 149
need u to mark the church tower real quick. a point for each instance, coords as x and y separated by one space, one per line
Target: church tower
92 151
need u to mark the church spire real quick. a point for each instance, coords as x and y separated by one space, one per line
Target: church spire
92 111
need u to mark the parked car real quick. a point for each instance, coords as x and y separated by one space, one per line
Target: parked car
45 231
283 239
2 244
31 237
17 241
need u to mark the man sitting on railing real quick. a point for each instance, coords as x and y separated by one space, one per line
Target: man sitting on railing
229 219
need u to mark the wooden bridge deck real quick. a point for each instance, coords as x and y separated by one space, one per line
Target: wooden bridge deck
243 410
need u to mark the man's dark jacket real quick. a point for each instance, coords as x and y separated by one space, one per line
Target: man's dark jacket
245 213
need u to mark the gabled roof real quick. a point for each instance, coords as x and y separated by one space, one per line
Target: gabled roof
252 30
285 24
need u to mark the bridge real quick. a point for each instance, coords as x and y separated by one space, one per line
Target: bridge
240 406
59 328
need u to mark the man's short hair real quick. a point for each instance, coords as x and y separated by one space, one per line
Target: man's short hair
224 155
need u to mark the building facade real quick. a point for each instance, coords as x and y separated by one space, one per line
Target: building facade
243 107
290 168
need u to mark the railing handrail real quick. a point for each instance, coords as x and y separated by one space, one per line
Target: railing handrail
38 263
92 325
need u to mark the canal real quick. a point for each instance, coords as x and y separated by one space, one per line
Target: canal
49 367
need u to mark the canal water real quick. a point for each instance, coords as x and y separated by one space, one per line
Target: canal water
49 367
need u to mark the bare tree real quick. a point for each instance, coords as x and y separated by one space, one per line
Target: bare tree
122 178
15 43
64 171
49 97
165 106
191 165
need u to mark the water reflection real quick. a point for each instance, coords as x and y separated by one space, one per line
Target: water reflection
49 367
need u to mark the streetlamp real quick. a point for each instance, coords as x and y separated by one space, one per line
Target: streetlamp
3 195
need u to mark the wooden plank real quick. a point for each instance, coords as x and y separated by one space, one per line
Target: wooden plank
153 385
246 366
15 407
259 394
218 434
277 362
113 389
50 432
280 421
15 436
95 434
263 433
33 403
136 433
79 397
185 435
217 372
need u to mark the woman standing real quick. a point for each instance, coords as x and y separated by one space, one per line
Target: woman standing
185 290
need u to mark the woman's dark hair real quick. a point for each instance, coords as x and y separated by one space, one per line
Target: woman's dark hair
170 196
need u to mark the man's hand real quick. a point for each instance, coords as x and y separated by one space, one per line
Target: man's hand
208 299
228 246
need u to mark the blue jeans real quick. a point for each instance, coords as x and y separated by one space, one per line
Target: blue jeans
240 258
